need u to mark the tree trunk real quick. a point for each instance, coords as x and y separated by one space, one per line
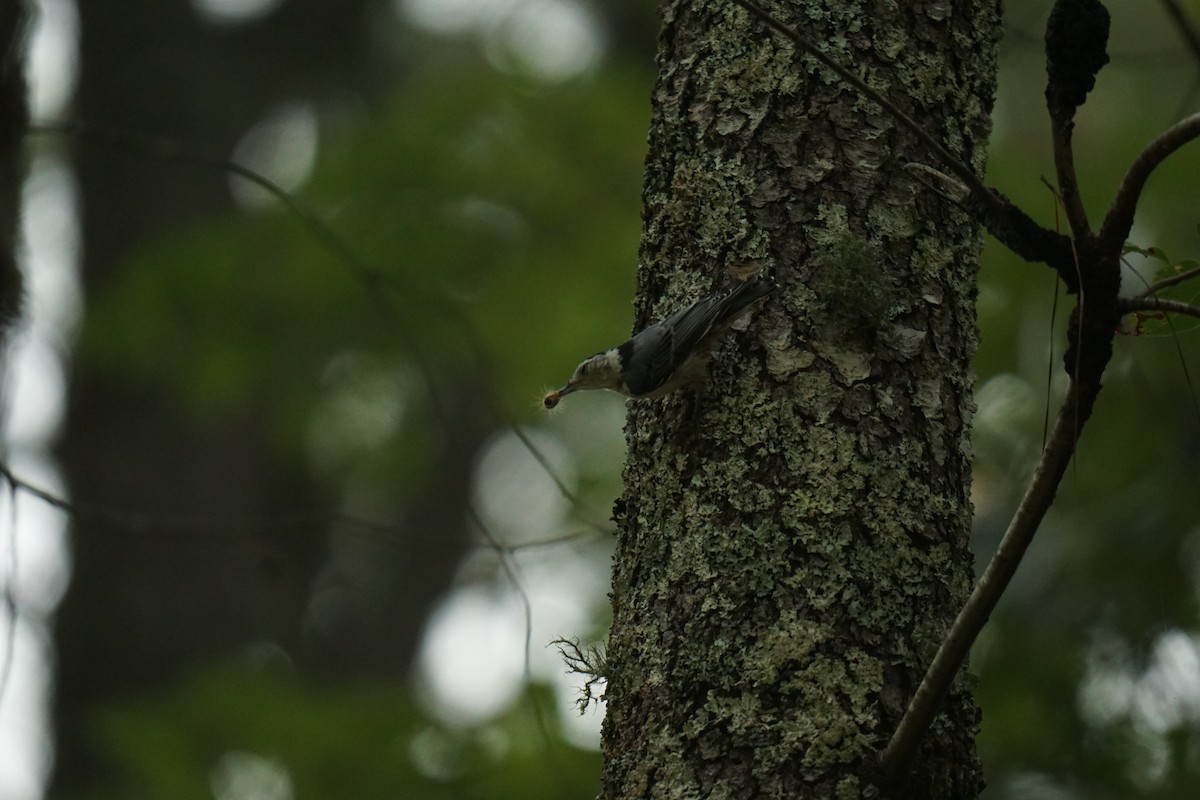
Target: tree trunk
14 17
789 557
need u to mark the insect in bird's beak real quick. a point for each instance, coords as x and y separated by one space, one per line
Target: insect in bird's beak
551 400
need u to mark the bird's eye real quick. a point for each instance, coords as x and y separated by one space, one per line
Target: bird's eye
584 367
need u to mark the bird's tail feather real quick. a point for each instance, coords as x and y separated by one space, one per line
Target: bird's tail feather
742 295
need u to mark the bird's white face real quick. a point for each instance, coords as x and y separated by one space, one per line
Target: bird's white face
601 371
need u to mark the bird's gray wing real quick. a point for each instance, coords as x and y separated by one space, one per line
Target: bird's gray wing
661 348
650 358
646 360
736 300
693 323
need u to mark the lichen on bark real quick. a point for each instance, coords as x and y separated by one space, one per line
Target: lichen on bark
789 555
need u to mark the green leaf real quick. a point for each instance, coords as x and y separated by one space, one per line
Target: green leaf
1149 252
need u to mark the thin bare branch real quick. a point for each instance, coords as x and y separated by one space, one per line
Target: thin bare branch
171 150
563 489
1185 27
1068 181
1167 283
1130 305
952 654
509 567
1119 220
1050 365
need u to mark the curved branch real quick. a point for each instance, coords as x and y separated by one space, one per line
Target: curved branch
952 654
1120 216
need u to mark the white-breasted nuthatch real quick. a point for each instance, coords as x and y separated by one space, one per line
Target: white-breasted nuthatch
668 354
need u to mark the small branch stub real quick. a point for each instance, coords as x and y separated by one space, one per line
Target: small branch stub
1076 38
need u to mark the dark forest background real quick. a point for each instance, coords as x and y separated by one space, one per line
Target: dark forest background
317 518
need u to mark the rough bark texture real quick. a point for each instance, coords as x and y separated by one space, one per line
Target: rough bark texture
789 559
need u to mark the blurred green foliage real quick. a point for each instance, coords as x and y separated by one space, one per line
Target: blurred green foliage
512 210
485 235
238 732
475 209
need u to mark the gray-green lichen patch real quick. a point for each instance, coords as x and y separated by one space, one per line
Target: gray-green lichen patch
852 366
786 558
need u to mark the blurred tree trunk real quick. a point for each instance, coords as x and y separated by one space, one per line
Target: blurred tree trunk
147 600
788 561
14 16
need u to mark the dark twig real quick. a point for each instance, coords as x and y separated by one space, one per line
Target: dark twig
171 150
1119 220
548 468
1185 27
509 567
373 280
1050 364
1130 305
1166 307
1174 280
504 553
1068 181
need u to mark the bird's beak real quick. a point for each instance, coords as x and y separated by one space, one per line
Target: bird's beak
551 400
